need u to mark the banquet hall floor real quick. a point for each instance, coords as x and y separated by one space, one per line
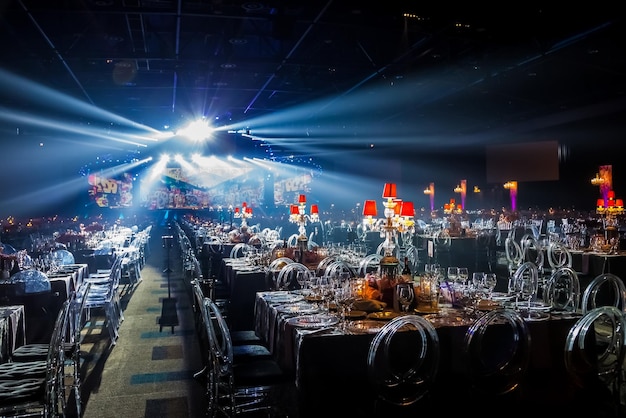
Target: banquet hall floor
149 371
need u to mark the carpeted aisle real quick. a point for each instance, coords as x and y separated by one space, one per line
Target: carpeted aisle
149 372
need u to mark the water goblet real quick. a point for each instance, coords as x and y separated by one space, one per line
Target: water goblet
405 295
490 282
303 277
463 275
453 274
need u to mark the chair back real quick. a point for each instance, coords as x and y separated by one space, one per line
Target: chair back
606 289
513 252
559 255
562 291
286 276
497 351
532 250
240 250
403 360
55 364
369 264
595 348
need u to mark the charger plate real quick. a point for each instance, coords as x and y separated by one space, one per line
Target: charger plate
313 321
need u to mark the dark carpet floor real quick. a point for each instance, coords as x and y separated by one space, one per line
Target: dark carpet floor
149 371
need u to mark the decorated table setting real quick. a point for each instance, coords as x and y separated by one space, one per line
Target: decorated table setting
327 350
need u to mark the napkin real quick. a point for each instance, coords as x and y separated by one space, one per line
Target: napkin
368 305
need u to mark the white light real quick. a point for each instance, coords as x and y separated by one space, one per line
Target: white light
196 131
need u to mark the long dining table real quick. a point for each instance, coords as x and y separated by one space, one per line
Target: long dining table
329 363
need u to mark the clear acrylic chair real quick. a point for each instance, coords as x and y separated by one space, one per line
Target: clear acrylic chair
497 354
562 290
606 289
402 364
595 349
23 394
233 387
104 295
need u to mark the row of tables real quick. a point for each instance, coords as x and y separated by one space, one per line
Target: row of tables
40 309
330 365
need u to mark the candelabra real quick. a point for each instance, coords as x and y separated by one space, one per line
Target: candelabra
452 208
244 213
399 218
613 206
430 190
298 215
462 190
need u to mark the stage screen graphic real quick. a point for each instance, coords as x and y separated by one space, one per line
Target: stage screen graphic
111 191
204 184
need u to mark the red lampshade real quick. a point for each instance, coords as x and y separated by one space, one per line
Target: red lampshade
389 191
600 203
369 208
407 209
244 204
611 194
294 210
315 209
236 210
249 209
302 199
397 207
619 203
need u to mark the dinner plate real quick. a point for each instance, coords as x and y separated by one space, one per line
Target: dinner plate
297 307
365 326
383 315
534 306
283 297
356 315
448 319
488 305
313 321
501 297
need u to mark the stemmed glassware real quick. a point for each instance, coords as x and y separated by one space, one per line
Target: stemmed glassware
490 281
345 296
405 295
463 275
304 280
453 274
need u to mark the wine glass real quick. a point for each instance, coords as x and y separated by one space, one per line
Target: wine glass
405 295
463 275
490 281
453 274
303 277
344 298
325 285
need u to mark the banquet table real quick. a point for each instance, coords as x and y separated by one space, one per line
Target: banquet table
40 309
244 282
592 263
12 330
332 362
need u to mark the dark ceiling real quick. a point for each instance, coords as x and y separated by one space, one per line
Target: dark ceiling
311 75
477 68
